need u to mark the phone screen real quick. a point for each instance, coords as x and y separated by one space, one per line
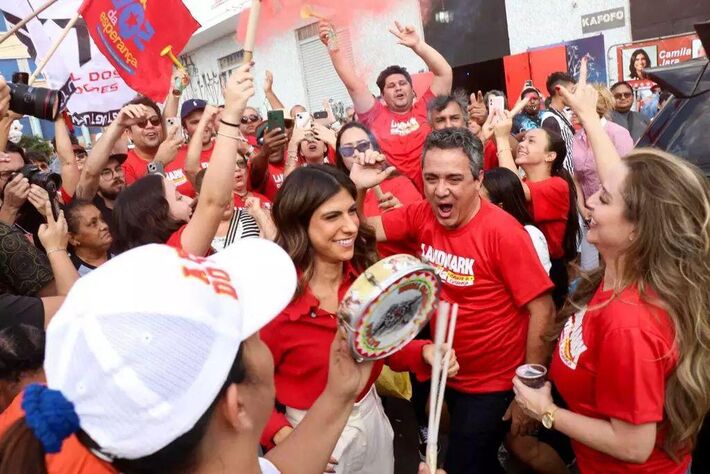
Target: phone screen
276 120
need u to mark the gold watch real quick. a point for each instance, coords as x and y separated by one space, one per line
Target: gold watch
548 418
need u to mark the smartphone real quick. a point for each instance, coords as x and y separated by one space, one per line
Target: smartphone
275 119
302 119
172 122
496 102
320 115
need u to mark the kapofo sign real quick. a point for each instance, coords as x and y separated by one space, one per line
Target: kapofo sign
604 20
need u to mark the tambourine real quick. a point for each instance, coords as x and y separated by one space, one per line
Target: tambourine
387 306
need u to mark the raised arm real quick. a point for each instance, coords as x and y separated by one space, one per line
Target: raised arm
362 98
98 158
443 74
180 80
502 128
67 161
194 148
367 173
54 237
274 101
219 178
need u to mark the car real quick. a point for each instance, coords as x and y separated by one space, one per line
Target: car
682 127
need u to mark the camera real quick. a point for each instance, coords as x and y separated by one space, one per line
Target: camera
35 101
49 181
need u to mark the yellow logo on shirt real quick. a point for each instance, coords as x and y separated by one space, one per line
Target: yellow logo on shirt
403 129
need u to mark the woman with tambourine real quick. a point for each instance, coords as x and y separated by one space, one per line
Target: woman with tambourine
318 225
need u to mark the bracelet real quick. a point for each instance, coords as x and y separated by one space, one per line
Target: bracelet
233 137
230 124
48 251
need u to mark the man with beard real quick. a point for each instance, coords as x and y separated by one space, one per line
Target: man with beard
154 150
502 318
103 175
400 124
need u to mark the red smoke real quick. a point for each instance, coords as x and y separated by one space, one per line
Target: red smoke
278 16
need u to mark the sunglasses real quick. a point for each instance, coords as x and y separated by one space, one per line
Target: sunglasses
250 119
622 95
347 151
154 121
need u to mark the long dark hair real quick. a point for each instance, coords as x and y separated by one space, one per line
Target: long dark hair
634 55
339 163
141 215
21 451
304 191
556 143
505 190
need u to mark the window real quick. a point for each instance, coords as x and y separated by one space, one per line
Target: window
229 63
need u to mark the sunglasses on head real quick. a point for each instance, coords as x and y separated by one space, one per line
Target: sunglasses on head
347 151
622 95
154 121
249 119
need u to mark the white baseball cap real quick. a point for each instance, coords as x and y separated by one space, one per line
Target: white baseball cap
143 344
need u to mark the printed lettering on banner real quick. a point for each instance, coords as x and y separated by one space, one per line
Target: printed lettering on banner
572 340
403 129
452 269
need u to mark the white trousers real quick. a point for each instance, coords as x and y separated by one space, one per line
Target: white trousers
366 444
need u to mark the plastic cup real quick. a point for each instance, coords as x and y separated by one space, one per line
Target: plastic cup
532 375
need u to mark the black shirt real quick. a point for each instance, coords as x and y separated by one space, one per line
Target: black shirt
24 270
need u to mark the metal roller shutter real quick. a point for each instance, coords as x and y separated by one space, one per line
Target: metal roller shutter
319 76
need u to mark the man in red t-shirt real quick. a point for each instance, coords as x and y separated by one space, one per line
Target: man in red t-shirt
488 266
400 123
267 166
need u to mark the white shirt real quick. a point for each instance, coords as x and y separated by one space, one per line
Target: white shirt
267 467
540 243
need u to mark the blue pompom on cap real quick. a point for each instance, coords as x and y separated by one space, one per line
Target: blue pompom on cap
50 416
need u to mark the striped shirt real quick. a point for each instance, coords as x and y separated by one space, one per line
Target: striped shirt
557 122
241 226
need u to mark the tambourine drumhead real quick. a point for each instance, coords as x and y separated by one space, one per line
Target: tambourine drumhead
388 305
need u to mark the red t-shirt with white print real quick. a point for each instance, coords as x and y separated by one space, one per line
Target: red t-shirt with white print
402 136
491 270
613 361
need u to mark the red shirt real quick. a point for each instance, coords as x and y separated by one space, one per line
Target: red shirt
490 155
74 458
403 189
613 361
175 239
549 205
136 167
299 339
240 203
175 171
273 178
401 136
489 267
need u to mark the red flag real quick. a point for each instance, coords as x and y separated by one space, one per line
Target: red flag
132 34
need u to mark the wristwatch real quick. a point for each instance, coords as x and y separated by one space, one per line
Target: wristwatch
548 418
156 167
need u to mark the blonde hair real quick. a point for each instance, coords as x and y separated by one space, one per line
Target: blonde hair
605 101
668 200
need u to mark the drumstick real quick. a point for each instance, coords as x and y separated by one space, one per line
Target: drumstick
432 438
445 364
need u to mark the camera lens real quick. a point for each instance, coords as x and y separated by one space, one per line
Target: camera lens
35 101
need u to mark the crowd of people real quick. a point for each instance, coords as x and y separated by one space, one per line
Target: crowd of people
173 305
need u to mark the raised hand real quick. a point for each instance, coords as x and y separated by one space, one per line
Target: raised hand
16 192
132 114
346 378
583 101
39 197
406 35
54 234
503 124
268 81
167 151
367 171
325 31
238 91
477 109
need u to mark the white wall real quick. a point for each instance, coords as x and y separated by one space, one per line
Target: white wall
535 23
374 48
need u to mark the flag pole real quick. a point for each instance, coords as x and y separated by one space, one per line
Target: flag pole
251 30
54 47
24 21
